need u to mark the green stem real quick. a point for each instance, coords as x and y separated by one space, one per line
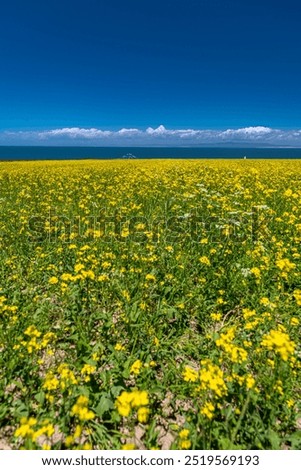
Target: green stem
241 416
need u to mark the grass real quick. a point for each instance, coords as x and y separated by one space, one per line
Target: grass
150 304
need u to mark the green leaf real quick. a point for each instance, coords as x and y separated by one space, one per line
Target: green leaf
274 439
105 404
40 397
3 411
115 390
295 440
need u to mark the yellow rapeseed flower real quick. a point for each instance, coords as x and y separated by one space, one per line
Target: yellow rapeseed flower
207 410
81 410
280 342
143 414
189 374
135 368
205 260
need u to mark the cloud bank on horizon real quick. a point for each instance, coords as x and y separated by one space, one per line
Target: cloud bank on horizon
256 136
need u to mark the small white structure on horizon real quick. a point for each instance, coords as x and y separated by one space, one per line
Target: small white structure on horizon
129 156
245 157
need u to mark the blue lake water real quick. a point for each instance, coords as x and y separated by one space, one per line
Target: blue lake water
76 153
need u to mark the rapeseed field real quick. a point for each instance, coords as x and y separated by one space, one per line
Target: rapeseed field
150 304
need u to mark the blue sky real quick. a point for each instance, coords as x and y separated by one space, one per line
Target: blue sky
160 72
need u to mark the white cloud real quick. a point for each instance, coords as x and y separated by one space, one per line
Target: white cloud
75 132
250 131
253 135
159 131
128 131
